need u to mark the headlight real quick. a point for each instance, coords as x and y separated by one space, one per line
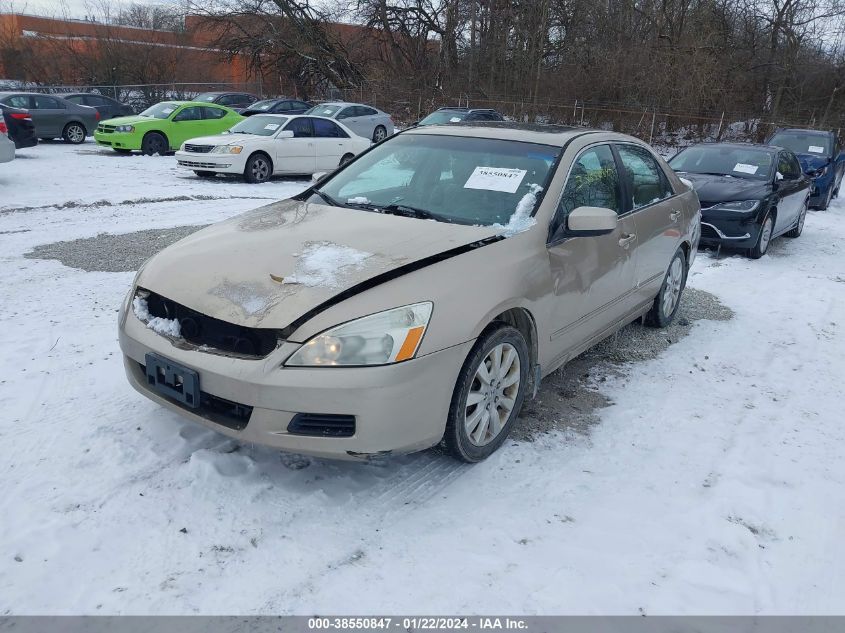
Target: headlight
124 128
379 339
182 147
227 149
741 205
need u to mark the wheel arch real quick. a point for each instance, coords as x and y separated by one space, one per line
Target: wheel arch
523 320
265 155
160 132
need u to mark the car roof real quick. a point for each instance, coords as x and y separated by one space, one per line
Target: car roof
558 135
803 131
344 103
463 109
739 145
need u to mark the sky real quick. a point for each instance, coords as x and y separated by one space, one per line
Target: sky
77 9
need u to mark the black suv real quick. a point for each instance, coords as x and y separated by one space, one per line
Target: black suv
235 100
459 115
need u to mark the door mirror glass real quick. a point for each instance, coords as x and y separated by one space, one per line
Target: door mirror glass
285 134
778 176
592 220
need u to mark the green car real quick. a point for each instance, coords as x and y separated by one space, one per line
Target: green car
165 126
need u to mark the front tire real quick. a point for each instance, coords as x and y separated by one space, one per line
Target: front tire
379 134
796 230
74 133
668 300
154 143
763 239
258 168
488 394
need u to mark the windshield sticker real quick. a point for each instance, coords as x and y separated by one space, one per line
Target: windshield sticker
495 179
455 119
746 169
815 149
168 110
271 126
328 111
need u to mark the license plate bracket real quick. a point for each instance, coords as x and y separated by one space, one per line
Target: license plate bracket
173 380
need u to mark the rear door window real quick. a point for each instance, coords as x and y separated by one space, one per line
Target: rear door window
213 113
323 128
43 102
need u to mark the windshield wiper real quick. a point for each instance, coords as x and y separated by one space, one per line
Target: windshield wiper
411 212
329 199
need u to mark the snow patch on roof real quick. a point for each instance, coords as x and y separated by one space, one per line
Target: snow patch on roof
321 263
521 220
165 327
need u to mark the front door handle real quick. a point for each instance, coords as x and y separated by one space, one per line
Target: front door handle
626 240
674 216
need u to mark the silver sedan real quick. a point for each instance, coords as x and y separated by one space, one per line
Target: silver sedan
54 117
364 120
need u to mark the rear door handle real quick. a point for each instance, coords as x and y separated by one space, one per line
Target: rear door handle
626 240
674 216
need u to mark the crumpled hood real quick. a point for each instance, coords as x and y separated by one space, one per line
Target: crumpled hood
725 188
269 266
812 162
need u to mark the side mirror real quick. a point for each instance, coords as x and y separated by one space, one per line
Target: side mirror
592 221
778 176
285 134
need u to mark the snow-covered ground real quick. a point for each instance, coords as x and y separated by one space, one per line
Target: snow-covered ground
713 484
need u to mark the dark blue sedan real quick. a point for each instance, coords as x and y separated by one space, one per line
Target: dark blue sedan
821 159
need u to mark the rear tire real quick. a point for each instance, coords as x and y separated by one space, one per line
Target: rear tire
764 239
74 133
154 143
258 168
379 134
205 174
668 300
485 393
796 230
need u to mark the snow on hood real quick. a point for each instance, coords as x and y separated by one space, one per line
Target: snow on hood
269 266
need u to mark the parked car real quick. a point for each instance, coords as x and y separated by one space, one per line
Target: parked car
53 116
235 100
821 159
278 106
749 194
362 119
107 107
385 309
265 145
19 126
7 147
459 115
163 127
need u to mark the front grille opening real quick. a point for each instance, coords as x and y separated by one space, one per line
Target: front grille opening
202 330
233 415
708 232
322 425
198 149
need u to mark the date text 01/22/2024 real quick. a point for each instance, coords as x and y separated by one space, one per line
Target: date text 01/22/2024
416 623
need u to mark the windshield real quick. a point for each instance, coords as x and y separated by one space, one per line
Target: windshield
208 97
443 116
263 105
323 110
740 162
160 110
260 124
802 143
448 178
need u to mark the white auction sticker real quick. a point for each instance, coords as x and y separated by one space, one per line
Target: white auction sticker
168 110
746 169
495 179
816 149
455 119
271 126
328 111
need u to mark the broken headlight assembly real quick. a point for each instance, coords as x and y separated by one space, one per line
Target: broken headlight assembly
383 338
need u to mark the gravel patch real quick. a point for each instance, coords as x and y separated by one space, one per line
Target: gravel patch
112 253
570 398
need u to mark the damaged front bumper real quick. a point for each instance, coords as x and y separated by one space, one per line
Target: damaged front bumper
397 408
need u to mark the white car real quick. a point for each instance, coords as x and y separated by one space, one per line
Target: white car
7 147
271 144
364 120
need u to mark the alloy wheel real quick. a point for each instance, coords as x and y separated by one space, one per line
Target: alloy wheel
75 133
260 170
674 283
380 134
492 395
